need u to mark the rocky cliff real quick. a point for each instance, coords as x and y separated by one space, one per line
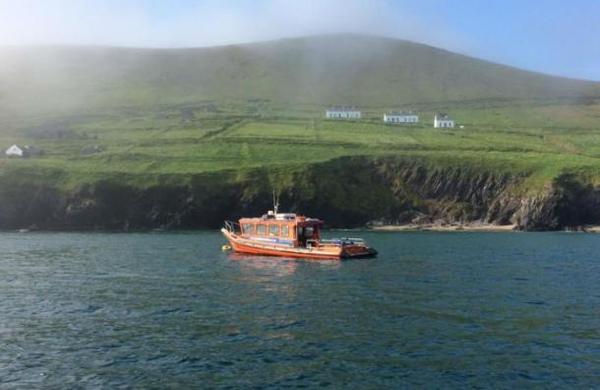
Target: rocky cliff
346 192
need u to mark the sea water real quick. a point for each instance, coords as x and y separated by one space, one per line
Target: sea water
171 309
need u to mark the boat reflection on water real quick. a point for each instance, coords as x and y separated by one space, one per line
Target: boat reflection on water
278 266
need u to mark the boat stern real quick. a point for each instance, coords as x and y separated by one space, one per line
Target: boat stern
358 251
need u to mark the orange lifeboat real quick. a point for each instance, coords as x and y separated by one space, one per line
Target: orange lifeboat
291 235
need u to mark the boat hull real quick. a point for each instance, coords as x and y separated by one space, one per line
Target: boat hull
240 244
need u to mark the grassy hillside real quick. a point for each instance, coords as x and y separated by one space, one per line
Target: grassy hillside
342 69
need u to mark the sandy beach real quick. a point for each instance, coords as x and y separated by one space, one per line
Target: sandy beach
473 227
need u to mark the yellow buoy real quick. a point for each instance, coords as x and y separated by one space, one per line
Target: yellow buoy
225 248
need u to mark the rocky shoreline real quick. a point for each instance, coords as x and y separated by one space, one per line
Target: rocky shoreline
471 227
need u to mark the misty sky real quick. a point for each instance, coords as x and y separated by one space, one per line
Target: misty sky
551 36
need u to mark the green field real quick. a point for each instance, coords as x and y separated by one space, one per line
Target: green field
155 116
540 137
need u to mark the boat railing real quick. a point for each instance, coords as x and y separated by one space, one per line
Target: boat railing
344 241
233 227
355 239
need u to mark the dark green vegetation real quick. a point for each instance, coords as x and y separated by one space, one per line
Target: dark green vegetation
183 138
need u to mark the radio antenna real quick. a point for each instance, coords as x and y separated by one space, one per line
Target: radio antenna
275 202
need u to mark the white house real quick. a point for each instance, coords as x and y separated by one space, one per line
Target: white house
400 117
342 113
25 151
443 120
15 151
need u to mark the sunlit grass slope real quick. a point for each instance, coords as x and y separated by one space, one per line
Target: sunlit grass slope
173 144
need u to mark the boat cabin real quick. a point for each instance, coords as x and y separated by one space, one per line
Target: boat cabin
283 228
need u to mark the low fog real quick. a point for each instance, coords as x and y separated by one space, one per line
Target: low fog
210 23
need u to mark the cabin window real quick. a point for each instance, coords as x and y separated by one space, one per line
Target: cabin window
261 230
308 231
273 230
248 228
285 231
